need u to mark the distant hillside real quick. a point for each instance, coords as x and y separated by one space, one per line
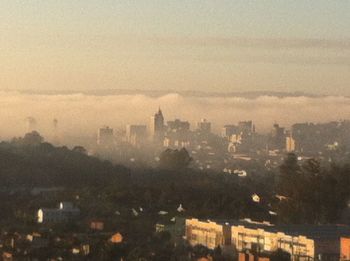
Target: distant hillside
186 93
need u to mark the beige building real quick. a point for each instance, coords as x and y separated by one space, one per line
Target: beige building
136 135
266 239
207 233
105 137
245 236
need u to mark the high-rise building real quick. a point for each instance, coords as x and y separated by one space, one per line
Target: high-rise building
55 134
178 126
157 127
277 137
244 128
247 128
204 126
136 134
229 130
105 137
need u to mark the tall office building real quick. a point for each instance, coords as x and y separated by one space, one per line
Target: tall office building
204 126
178 126
246 128
277 137
105 137
229 130
136 134
157 127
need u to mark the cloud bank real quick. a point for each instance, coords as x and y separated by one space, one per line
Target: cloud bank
263 43
82 114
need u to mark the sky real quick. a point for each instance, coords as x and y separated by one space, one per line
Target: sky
206 45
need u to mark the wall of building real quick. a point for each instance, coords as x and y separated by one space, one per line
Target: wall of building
257 240
209 234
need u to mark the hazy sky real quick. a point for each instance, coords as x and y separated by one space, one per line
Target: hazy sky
210 45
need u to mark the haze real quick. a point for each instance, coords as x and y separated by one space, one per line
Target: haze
81 115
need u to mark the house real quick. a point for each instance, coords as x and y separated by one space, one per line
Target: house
7 256
36 241
97 225
116 238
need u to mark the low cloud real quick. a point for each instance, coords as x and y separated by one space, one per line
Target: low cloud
265 43
82 114
297 51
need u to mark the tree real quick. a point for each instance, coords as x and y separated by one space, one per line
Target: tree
280 255
174 159
32 138
79 149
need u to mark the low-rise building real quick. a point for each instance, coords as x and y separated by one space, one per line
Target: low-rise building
245 236
64 213
329 240
344 248
208 233
116 238
97 225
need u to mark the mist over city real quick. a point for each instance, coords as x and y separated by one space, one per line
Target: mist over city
80 114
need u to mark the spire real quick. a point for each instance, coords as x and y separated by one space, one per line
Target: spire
159 111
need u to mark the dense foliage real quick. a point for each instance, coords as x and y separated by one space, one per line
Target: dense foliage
314 194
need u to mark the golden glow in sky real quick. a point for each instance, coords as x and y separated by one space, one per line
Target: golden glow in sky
179 45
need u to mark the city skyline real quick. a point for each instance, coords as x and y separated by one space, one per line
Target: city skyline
83 113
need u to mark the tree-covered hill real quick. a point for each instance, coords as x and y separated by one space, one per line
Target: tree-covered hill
29 161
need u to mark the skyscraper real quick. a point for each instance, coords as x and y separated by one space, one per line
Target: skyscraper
136 134
105 137
157 127
204 126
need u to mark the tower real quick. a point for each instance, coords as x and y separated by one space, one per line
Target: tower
157 127
55 134
204 126
105 137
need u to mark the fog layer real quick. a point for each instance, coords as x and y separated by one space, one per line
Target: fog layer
82 114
